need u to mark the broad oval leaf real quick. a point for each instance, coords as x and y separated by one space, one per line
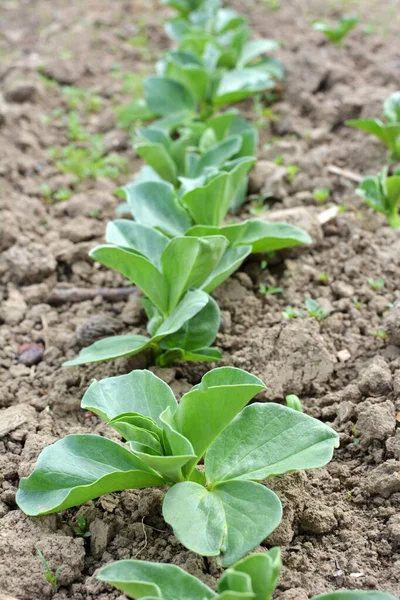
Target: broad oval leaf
110 348
254 48
218 154
229 263
137 269
139 392
373 126
238 84
128 234
198 332
79 468
141 579
187 262
208 408
209 204
231 519
188 308
165 96
159 159
266 440
262 236
154 204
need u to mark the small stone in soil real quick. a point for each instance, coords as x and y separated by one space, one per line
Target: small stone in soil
30 354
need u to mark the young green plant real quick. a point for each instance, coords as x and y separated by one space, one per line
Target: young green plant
338 33
255 577
183 320
382 193
218 510
389 130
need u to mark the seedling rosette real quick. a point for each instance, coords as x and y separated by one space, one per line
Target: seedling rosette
338 33
220 510
252 578
183 321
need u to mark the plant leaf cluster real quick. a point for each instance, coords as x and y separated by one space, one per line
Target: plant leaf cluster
252 578
338 33
216 510
215 63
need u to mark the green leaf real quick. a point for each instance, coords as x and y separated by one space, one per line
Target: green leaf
267 440
211 405
159 159
79 468
186 262
218 154
255 48
239 84
154 204
229 263
191 305
139 392
373 126
232 518
197 332
209 204
165 96
193 77
391 108
262 236
372 190
247 132
141 579
135 111
263 571
110 348
125 425
137 269
142 239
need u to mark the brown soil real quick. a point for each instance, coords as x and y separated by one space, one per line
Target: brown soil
341 526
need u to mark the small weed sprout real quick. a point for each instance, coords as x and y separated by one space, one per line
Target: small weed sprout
376 284
315 310
357 303
323 277
293 401
80 529
263 289
338 33
379 334
290 313
292 171
321 195
279 160
51 577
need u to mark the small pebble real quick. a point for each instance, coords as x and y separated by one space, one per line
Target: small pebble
30 354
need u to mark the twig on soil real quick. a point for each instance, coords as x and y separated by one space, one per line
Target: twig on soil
61 296
344 173
145 540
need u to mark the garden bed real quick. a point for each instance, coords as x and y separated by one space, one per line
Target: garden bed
341 525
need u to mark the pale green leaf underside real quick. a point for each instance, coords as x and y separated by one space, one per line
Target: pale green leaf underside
139 392
140 579
79 468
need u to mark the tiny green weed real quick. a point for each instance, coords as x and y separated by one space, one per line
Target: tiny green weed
263 289
379 334
51 577
80 529
376 284
292 171
321 195
315 310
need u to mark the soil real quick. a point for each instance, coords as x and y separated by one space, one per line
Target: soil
341 526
